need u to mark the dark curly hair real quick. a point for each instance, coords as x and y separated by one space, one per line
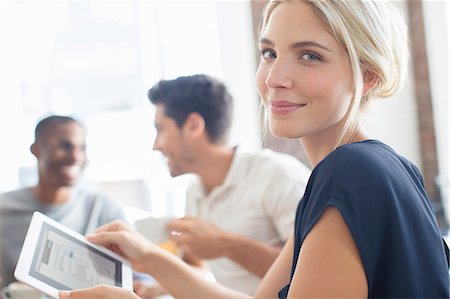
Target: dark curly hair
198 93
48 123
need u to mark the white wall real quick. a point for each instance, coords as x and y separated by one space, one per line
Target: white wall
8 105
238 67
394 120
436 14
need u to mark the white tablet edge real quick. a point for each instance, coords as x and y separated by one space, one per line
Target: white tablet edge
29 248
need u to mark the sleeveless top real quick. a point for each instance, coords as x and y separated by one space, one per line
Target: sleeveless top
382 199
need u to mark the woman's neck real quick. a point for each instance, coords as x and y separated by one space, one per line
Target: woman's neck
318 146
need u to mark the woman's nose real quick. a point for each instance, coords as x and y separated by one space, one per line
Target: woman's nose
279 75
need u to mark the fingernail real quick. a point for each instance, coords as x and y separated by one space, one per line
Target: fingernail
91 236
64 294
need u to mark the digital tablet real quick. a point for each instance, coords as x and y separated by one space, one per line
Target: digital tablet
55 258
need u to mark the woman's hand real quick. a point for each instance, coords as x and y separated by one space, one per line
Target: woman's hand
122 239
147 291
98 292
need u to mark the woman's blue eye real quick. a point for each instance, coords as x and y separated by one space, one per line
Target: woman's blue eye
311 57
268 54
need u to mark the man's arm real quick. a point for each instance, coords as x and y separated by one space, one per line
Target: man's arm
253 255
195 262
204 240
278 275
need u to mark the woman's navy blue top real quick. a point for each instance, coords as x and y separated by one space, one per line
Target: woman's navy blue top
382 199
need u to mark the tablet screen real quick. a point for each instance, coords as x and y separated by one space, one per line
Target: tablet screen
66 263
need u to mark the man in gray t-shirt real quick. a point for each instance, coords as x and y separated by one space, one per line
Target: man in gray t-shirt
60 151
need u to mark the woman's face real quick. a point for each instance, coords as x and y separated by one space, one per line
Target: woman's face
304 77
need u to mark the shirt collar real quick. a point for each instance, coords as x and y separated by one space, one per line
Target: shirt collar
236 174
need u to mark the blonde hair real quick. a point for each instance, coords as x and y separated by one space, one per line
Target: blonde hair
374 35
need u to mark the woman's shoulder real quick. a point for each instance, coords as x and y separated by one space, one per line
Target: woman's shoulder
366 154
366 160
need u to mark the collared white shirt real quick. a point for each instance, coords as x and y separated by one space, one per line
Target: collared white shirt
258 200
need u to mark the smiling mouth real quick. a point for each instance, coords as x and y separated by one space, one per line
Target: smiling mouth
72 171
284 107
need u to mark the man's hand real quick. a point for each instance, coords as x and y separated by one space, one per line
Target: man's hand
199 238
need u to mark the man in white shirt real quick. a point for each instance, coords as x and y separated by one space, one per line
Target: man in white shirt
241 208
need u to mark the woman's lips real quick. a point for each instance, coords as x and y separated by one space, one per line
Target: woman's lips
284 107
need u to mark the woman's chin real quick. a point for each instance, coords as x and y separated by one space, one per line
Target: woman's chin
282 132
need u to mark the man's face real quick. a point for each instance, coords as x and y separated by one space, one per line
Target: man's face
61 154
172 143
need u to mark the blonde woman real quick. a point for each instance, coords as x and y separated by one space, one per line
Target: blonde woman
365 227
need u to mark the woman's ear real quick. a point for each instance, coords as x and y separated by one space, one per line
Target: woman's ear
370 81
194 124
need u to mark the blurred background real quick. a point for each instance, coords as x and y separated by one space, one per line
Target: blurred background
97 59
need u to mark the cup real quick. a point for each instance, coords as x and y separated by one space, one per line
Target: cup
155 229
18 290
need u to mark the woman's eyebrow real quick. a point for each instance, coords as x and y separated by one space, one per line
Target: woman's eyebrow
297 44
266 41
308 43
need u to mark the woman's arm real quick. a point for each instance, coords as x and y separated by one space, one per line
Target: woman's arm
172 273
182 281
329 263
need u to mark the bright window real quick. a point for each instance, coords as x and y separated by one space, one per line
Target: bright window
97 60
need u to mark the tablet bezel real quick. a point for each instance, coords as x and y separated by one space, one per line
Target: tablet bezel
29 249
